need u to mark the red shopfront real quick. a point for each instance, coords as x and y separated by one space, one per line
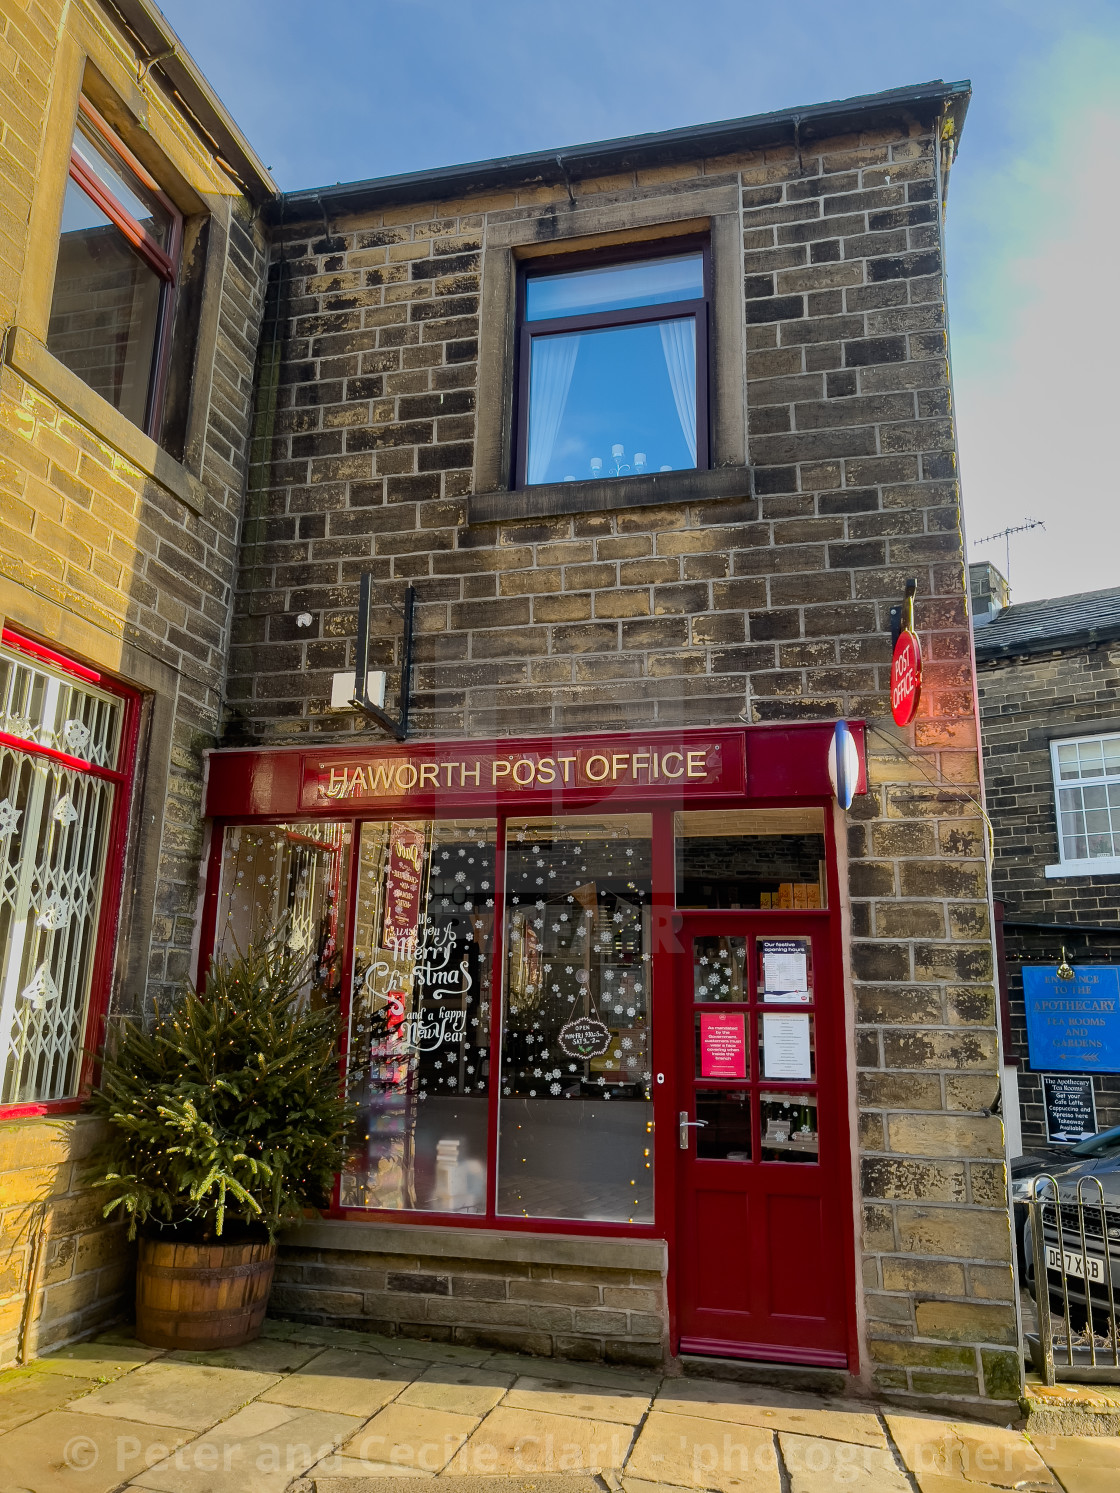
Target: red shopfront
592 985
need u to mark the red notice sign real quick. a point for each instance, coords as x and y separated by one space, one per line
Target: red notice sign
723 1045
906 677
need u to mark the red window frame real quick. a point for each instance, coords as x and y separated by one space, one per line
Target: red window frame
163 262
123 777
663 907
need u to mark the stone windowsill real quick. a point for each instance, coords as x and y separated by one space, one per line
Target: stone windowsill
1105 865
31 360
550 499
479 1244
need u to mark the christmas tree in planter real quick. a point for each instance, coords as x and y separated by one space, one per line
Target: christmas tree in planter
226 1123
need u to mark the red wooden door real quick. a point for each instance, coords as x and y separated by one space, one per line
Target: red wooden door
764 1191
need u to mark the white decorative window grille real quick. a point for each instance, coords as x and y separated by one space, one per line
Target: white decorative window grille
1087 789
60 745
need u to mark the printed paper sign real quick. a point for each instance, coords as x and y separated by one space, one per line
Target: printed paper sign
723 1046
785 970
785 1046
403 881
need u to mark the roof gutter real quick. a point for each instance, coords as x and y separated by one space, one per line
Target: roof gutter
161 52
926 101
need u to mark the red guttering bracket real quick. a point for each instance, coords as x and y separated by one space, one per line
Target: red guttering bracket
713 764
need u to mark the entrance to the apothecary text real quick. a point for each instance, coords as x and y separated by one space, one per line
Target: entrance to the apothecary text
762 1170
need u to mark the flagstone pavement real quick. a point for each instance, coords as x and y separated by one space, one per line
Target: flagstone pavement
315 1410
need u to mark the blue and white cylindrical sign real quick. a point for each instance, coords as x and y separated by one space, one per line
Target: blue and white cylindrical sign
843 764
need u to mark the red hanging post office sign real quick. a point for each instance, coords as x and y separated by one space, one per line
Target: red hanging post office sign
906 666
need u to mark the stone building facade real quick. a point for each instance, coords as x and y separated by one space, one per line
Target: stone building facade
757 591
117 555
696 632
1048 672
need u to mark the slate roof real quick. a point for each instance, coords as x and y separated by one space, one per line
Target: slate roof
1056 623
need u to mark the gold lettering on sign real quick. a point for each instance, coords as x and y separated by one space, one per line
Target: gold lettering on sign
394 777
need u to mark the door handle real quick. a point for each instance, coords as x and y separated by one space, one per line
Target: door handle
686 1124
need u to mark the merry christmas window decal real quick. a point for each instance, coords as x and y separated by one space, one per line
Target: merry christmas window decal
419 1040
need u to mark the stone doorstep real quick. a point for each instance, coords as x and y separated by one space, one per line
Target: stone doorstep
786 1375
1071 1409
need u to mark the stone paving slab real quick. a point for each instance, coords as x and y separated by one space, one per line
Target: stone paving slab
993 1456
457 1387
576 1373
26 1393
409 1436
265 1356
341 1380
261 1449
66 1453
190 1396
815 1465
96 1360
701 1453
563 1397
529 1443
372 1342
773 1410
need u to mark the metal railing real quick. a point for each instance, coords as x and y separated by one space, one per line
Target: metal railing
1073 1243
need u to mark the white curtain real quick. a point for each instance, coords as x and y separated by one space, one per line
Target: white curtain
550 378
678 342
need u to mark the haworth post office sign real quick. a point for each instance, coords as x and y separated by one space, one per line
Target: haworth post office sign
1073 1025
631 764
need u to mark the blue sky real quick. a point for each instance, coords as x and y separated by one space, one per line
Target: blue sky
340 91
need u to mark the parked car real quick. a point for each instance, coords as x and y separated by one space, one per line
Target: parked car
1051 1161
1088 1260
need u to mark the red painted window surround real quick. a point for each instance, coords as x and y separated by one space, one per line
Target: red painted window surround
122 777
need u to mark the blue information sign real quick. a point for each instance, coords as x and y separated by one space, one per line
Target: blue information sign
1073 1024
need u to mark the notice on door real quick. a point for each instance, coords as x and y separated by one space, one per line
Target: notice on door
723 1045
785 970
786 1048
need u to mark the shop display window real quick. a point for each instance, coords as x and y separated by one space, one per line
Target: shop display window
576 1119
769 859
419 1037
287 880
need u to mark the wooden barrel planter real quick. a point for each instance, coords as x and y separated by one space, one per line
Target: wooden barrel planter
202 1295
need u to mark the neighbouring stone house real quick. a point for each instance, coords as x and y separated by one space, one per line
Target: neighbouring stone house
125 395
553 713
1048 675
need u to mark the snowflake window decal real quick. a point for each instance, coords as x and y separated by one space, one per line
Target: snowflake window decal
75 737
54 913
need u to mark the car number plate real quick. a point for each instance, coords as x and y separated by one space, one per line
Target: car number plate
1075 1264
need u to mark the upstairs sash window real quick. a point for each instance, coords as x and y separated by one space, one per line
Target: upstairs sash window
117 265
613 369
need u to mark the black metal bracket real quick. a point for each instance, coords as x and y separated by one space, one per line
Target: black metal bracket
361 700
903 615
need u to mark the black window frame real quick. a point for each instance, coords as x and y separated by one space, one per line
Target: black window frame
631 253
